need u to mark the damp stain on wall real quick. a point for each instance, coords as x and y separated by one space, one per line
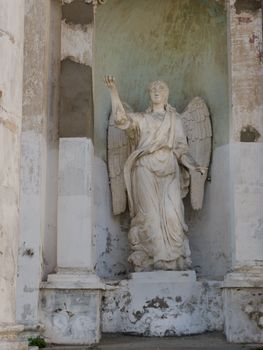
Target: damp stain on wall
181 42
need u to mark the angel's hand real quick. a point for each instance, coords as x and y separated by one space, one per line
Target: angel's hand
110 82
201 169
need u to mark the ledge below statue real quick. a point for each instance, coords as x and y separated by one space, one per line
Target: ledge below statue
162 303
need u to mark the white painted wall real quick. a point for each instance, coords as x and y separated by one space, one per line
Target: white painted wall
110 231
209 228
75 205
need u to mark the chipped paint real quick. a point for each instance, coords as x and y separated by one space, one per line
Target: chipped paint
243 308
162 307
71 316
8 35
76 42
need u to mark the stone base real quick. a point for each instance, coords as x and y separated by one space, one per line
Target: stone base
32 331
74 279
162 303
70 309
9 337
243 307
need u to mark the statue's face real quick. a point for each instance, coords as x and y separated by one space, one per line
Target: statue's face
158 93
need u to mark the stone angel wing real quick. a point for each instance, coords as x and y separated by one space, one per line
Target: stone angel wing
198 129
119 149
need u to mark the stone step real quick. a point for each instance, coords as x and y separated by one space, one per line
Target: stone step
208 341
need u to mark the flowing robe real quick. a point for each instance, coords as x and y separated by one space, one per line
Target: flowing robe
154 180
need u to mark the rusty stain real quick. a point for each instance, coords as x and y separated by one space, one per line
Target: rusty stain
8 125
249 134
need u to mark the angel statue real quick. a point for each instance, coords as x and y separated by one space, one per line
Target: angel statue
154 157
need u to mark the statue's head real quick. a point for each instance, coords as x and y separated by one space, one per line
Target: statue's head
159 92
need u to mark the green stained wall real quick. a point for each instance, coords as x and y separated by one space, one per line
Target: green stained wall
183 42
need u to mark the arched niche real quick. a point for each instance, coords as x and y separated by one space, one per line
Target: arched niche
185 44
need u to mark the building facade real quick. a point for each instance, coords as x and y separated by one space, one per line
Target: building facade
63 256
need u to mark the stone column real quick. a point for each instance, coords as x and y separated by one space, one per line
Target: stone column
244 286
11 63
70 303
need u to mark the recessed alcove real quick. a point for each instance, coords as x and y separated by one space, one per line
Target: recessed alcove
185 44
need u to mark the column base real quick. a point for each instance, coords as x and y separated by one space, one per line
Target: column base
243 306
9 337
70 308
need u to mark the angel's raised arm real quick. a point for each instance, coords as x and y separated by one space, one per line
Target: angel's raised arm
120 117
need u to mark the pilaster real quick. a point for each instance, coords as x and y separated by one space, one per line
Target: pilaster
243 287
71 298
11 78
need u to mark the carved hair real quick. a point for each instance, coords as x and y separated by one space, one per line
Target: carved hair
157 84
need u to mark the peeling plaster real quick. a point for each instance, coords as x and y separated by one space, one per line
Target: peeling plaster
76 42
8 35
162 309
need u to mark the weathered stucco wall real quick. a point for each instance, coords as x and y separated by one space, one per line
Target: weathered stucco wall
246 131
33 153
181 42
76 95
50 237
11 63
39 144
185 44
76 104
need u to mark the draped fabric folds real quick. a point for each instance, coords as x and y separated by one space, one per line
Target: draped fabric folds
155 180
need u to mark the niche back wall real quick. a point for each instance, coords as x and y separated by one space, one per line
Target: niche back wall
185 44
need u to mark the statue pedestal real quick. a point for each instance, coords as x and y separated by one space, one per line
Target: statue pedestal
162 303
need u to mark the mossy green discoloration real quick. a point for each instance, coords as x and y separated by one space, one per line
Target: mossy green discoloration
181 42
